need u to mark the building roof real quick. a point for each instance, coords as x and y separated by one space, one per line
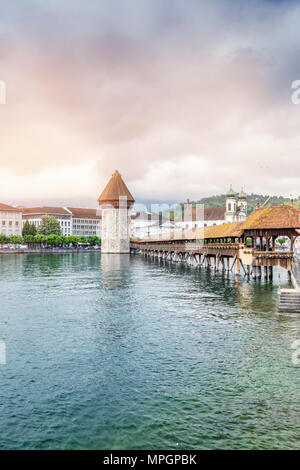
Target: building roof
83 213
210 213
115 189
271 217
214 213
147 216
42 210
5 207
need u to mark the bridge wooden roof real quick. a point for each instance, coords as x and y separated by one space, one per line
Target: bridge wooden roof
273 217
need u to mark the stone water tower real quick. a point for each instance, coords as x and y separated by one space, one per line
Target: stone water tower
115 202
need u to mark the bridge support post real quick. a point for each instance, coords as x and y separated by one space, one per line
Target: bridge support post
270 272
259 272
237 266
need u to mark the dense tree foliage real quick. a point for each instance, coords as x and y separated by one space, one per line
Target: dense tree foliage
49 226
28 229
52 240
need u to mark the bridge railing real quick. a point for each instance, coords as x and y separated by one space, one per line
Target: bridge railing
273 254
192 246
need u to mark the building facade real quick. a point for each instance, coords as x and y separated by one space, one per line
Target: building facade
199 218
145 224
85 222
10 220
64 217
72 220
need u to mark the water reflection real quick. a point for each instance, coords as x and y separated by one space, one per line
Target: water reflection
115 270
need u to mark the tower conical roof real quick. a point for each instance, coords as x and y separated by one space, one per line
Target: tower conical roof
113 190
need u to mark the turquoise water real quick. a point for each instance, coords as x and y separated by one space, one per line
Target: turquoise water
123 353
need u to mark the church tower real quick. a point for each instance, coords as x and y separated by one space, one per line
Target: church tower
115 202
231 206
242 206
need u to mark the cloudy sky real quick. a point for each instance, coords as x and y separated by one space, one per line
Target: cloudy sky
182 97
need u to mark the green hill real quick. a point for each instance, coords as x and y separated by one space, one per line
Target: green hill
254 200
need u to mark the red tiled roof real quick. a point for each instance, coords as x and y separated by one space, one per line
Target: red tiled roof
210 213
5 207
42 210
269 217
214 213
83 213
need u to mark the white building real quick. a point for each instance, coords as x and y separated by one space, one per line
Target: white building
145 224
85 222
72 220
199 218
196 217
10 220
34 216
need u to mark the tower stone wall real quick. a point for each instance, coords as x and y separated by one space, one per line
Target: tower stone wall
115 229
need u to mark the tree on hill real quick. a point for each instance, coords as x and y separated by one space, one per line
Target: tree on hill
49 226
28 229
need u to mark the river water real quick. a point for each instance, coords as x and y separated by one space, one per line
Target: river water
120 352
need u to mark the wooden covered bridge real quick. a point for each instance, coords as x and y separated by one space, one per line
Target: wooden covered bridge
248 246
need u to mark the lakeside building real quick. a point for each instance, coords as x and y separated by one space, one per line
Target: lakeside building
235 210
85 222
64 217
144 224
10 220
72 220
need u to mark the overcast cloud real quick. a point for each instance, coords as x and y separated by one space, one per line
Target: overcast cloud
183 98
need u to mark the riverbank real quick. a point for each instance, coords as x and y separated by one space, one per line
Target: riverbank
48 251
